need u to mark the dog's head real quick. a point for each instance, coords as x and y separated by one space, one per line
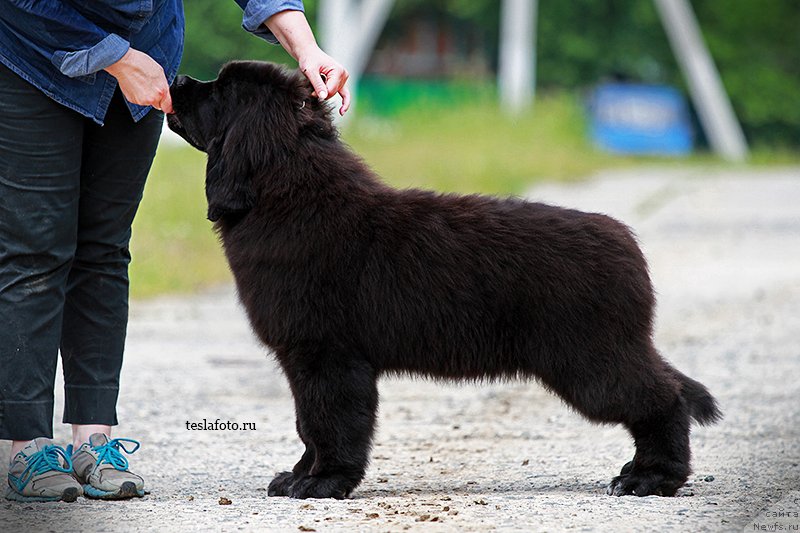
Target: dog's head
249 121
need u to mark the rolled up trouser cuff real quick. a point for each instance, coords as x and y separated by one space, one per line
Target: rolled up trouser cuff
26 420
88 404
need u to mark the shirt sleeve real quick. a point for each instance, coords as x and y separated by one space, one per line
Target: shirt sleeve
256 12
75 45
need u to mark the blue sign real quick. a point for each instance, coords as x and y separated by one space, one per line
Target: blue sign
640 119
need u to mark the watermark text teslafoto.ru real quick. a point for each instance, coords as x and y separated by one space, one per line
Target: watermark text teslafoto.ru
220 425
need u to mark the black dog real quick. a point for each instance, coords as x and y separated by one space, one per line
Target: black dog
346 279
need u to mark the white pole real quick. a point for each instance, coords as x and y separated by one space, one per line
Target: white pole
330 19
349 31
710 99
371 20
516 72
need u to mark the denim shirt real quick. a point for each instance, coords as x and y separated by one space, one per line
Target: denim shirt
62 46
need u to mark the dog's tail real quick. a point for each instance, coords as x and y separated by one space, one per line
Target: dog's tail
702 406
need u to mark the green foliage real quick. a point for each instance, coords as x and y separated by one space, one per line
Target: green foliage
582 42
214 36
757 48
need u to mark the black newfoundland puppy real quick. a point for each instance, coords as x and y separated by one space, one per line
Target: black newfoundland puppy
347 279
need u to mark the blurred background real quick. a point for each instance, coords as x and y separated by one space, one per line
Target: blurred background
599 84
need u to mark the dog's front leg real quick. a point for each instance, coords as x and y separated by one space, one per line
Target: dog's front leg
336 401
282 484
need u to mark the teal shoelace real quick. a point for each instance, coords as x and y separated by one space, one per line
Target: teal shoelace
47 459
109 453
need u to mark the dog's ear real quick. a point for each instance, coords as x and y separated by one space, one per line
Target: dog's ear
312 114
229 180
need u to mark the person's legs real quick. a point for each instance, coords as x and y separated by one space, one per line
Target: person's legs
40 147
116 160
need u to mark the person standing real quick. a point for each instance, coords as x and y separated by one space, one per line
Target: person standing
83 91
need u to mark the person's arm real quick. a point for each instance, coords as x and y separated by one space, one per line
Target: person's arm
78 47
292 30
283 21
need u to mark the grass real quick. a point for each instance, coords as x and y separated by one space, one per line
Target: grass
173 246
475 148
466 147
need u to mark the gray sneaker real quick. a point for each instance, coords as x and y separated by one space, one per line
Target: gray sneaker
42 472
103 470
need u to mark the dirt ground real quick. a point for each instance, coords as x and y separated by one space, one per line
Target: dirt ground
724 250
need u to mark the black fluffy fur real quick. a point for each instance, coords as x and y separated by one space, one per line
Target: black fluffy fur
347 279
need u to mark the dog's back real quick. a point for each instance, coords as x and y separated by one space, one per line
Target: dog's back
473 286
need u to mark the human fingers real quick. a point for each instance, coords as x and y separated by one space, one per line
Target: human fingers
336 78
345 94
312 72
156 88
154 93
140 92
166 103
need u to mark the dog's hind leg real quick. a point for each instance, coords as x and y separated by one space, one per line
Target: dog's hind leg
634 386
661 463
336 400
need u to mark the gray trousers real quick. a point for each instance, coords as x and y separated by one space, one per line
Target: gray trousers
69 190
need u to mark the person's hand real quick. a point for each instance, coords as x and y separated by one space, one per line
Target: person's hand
142 80
326 75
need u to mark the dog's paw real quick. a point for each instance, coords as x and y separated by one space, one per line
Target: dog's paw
281 484
337 487
642 483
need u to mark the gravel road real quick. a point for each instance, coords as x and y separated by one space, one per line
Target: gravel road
724 250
